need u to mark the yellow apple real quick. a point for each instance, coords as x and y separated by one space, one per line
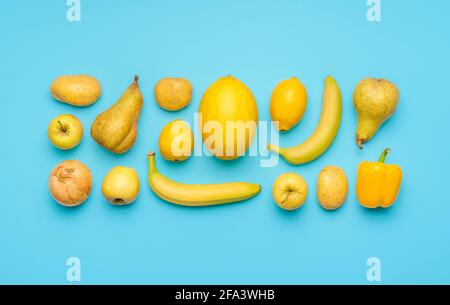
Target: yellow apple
65 131
290 191
121 185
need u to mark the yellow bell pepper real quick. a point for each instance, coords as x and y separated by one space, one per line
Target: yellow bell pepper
378 183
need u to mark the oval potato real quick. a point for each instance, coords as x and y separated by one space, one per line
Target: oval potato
76 90
173 93
332 187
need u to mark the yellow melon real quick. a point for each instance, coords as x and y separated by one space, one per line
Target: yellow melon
228 118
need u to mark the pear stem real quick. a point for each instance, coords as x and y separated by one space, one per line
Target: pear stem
136 78
384 154
359 143
62 127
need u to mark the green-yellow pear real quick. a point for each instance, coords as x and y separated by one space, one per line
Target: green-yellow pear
375 100
116 128
121 185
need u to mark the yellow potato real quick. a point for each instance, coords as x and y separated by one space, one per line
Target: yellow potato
173 93
77 90
332 187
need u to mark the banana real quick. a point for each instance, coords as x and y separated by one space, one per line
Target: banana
197 194
326 130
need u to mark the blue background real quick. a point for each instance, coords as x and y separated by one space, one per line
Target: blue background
260 42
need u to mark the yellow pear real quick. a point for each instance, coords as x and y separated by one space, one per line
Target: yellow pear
375 100
176 141
116 128
121 185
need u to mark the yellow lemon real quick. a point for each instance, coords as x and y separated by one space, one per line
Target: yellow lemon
176 141
288 103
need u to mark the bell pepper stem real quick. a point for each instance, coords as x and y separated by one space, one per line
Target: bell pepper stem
384 154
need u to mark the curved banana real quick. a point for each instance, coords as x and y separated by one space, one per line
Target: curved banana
197 194
326 130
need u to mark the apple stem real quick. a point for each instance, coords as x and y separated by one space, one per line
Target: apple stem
62 127
287 196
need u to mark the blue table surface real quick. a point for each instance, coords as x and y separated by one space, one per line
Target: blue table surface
260 42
